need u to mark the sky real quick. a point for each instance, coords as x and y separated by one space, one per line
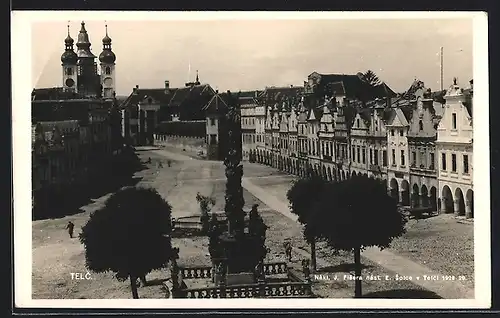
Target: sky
252 54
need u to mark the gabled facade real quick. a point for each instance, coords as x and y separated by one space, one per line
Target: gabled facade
360 144
397 145
313 125
421 138
377 135
454 146
248 103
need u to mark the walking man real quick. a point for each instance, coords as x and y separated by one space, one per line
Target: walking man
70 228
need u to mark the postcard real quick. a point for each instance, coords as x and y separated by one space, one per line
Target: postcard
251 160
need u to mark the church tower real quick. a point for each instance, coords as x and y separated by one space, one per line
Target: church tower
107 59
69 61
88 79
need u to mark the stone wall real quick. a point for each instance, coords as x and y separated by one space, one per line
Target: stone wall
189 144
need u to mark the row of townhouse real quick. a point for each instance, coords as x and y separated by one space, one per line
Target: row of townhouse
421 148
74 138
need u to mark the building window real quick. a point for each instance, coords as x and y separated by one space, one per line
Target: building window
443 161
213 139
392 132
212 121
454 121
420 125
364 155
466 164
423 160
371 156
358 153
354 153
69 71
432 160
402 158
375 157
107 70
393 157
414 158
453 162
384 158
401 132
357 122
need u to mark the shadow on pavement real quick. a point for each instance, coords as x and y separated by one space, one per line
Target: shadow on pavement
52 203
346 268
403 294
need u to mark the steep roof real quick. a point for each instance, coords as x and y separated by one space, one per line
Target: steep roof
216 104
273 93
353 87
54 93
166 97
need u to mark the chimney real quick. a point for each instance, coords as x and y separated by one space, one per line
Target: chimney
291 86
136 88
167 86
471 82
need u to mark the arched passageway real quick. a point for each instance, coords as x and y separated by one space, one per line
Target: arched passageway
424 196
459 202
394 189
415 196
447 205
433 199
405 193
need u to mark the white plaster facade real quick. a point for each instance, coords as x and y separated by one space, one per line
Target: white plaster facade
454 146
398 172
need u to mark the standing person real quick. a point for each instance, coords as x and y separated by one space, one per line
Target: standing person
70 227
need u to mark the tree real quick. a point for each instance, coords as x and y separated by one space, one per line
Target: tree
357 213
234 200
302 196
129 236
371 78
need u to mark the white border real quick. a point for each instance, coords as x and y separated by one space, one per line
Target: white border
21 70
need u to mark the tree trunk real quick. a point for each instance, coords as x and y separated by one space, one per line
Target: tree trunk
133 286
357 272
313 255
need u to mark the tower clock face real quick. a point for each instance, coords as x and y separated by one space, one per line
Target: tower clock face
108 81
70 82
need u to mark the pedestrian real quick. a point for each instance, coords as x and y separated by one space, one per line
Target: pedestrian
70 228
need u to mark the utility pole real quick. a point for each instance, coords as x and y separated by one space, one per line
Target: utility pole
441 68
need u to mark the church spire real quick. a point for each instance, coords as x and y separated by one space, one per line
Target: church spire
197 82
107 56
69 56
83 43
